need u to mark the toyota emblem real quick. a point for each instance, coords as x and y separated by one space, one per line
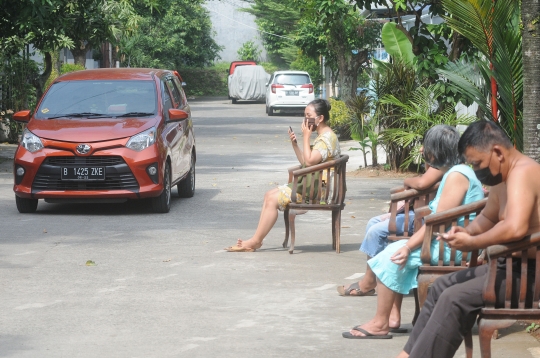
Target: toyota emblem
83 148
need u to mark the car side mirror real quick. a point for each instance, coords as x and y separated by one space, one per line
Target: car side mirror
177 114
22 116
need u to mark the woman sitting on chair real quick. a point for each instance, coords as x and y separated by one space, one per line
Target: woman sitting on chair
396 267
325 148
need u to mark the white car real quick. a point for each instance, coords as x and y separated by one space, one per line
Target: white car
288 90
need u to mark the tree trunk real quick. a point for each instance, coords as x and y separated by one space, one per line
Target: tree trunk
79 53
39 81
530 12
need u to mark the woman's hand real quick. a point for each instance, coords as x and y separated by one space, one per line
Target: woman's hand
401 256
306 130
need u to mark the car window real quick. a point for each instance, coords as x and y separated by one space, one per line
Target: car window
98 97
292 79
174 91
166 100
178 86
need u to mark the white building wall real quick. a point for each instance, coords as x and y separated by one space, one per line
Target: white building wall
233 27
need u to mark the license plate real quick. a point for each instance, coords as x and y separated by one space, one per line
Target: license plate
83 173
292 93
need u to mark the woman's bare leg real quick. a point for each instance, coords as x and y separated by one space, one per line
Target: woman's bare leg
395 315
268 218
368 281
403 354
379 324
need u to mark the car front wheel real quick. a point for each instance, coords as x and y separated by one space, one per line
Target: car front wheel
186 188
26 206
162 203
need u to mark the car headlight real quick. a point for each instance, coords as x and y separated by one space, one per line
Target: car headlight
30 141
142 140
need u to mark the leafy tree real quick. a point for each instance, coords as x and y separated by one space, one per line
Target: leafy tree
249 51
344 33
173 34
277 19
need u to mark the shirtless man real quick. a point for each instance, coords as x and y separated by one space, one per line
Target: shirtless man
512 212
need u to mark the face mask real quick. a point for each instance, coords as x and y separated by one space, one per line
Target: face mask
485 177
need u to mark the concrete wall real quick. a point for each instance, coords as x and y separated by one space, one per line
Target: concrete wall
233 27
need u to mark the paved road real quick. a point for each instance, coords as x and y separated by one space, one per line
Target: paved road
162 285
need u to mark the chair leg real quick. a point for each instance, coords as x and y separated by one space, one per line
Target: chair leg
336 230
292 216
416 306
468 345
486 327
286 219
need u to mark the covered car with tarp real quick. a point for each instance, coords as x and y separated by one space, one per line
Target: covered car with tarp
248 83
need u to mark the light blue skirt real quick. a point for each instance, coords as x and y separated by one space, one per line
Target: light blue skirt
404 280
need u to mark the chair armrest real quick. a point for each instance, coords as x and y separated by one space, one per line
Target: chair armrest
397 189
291 170
422 211
322 166
527 242
455 213
412 193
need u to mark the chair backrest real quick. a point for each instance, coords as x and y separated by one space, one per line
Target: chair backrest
321 184
528 247
440 222
411 198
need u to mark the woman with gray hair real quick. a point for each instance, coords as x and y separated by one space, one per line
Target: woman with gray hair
396 267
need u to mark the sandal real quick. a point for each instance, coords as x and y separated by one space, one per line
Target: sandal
356 288
237 248
366 336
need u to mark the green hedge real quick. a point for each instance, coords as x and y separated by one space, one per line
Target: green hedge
204 82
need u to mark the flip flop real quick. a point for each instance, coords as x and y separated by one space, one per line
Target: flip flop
392 329
356 288
368 335
237 248
398 330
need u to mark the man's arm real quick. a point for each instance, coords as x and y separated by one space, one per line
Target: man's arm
515 220
425 181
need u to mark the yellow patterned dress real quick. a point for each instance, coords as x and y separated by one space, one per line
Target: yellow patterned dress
328 145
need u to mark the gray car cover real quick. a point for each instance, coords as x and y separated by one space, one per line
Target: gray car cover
248 82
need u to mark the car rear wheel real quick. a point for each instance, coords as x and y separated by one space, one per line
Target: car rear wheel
266 109
233 100
162 203
186 188
26 205
270 111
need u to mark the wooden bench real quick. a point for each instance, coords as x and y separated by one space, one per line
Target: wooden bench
329 196
519 304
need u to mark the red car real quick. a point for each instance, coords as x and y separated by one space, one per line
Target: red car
107 135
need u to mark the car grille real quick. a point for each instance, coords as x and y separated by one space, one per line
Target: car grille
118 175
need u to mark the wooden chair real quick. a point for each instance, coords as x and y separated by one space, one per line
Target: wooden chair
428 273
412 198
519 304
329 195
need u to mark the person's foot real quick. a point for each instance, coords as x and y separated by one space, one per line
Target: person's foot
372 328
356 289
248 244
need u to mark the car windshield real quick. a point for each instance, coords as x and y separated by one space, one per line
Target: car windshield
98 98
292 79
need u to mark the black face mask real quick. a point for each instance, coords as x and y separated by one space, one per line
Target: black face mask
485 177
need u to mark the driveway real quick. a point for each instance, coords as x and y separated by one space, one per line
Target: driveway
120 281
